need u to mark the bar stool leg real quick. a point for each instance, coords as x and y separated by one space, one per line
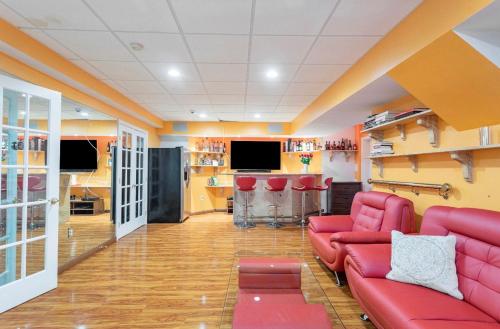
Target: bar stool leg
275 223
302 222
246 223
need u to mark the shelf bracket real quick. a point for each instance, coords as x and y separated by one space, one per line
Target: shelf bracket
347 155
379 163
465 158
414 162
430 122
402 131
377 135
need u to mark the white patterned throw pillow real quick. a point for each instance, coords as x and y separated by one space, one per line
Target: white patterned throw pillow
425 260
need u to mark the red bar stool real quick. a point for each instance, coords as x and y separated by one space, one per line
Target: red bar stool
246 184
275 186
325 187
307 184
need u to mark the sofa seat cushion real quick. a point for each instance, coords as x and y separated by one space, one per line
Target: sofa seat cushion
323 246
444 324
397 303
280 316
271 296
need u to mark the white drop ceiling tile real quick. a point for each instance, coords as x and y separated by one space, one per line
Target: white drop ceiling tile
225 88
122 70
184 87
154 99
92 45
221 108
340 50
158 47
257 72
134 15
192 99
306 88
162 108
116 85
320 73
289 109
178 116
374 17
214 16
187 71
219 48
230 116
198 108
227 99
280 49
51 43
89 68
267 100
56 14
266 88
142 87
223 72
13 18
291 17
294 100
259 109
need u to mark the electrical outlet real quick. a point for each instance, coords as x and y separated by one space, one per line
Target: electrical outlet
202 197
70 232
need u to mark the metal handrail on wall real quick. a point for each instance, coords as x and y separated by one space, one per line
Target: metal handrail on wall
444 190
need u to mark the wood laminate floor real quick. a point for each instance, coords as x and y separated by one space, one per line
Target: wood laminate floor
170 276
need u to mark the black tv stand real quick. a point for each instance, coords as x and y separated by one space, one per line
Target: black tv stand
254 170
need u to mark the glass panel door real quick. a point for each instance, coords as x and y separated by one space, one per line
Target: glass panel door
29 181
131 180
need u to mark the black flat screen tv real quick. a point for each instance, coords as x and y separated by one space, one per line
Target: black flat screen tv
255 155
78 155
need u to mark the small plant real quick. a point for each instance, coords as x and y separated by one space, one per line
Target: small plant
306 158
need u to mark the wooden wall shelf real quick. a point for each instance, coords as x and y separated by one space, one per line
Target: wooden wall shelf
461 154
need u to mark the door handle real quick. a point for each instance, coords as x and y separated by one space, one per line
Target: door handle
54 201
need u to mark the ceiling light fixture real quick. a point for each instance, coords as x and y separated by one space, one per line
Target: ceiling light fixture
202 115
174 73
84 114
271 74
137 46
256 115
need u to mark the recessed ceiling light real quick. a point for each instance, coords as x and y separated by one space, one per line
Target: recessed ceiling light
174 73
137 46
256 115
202 115
84 114
271 74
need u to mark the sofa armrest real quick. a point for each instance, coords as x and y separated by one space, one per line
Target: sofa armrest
330 224
369 260
361 237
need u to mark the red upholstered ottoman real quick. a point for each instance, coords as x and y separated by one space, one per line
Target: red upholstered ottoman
270 297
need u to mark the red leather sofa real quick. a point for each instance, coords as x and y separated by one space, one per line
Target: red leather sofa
391 304
270 297
373 216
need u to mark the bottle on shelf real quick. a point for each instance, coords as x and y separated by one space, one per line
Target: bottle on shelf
343 144
349 145
355 147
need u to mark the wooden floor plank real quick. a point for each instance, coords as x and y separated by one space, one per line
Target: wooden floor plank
170 276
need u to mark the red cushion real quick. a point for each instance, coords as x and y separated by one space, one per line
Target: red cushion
330 224
444 324
280 316
370 260
271 296
361 237
368 219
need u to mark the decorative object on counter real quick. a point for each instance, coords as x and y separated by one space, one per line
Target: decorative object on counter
212 181
210 146
306 159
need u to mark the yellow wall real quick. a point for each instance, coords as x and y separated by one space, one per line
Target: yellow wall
205 198
483 192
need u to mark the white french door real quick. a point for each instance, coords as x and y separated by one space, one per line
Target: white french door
131 179
29 180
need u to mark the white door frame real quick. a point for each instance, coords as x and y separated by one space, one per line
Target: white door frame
122 229
27 286
366 163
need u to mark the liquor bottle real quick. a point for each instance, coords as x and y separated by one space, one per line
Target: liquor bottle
355 147
224 148
327 145
349 145
343 144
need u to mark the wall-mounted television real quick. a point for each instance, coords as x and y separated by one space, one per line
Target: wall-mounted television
256 155
78 155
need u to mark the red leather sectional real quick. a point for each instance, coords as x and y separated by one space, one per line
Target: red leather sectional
395 305
373 216
270 297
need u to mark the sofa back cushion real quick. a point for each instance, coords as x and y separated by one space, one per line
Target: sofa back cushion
477 251
378 211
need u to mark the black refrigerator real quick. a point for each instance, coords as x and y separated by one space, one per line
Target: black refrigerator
168 185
